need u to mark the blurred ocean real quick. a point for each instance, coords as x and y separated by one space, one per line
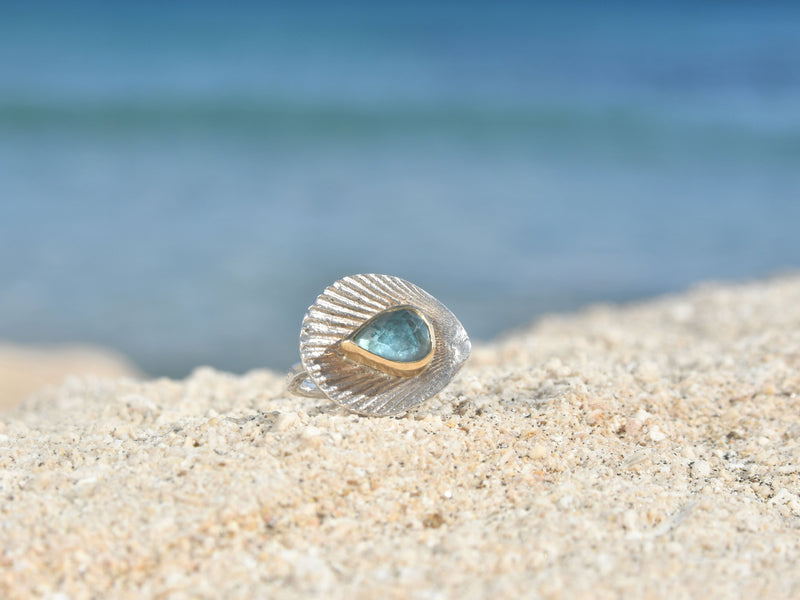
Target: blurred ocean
179 180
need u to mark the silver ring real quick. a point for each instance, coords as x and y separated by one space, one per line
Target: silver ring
378 345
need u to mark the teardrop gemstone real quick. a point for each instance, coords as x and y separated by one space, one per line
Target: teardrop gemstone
399 335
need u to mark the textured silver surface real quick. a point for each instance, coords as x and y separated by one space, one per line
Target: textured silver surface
344 307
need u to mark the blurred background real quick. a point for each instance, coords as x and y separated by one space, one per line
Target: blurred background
178 181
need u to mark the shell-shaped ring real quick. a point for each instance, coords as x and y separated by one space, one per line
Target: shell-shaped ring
378 345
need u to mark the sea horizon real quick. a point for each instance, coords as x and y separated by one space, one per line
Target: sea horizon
180 185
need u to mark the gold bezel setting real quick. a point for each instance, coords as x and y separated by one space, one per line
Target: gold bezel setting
355 352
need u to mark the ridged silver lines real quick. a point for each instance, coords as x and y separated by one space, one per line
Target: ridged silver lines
341 310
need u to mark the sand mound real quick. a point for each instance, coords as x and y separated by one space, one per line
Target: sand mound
648 451
26 369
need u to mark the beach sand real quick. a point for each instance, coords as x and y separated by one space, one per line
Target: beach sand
26 369
646 451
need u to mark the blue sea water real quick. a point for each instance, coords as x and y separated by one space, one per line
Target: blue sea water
180 180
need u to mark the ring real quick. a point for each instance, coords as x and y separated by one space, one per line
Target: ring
378 345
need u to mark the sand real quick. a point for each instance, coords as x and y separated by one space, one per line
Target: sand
644 451
26 369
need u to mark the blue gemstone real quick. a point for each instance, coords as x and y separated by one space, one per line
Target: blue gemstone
397 335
